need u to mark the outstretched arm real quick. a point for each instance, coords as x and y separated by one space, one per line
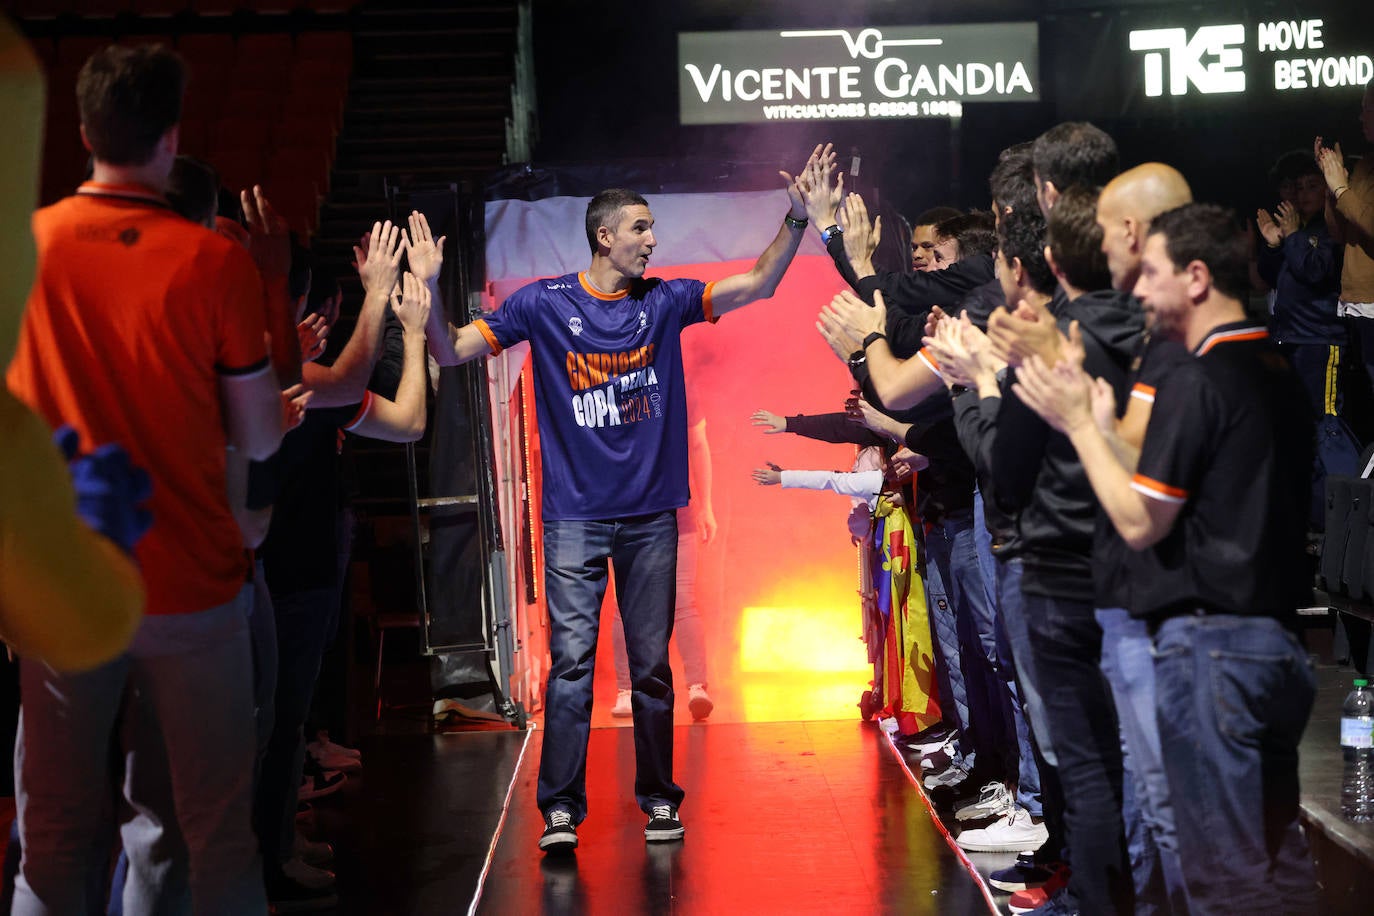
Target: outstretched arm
762 280
378 268
403 420
448 344
898 383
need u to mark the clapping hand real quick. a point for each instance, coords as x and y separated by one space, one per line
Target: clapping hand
847 320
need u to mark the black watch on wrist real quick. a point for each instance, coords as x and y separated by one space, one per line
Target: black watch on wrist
856 359
876 335
794 223
830 232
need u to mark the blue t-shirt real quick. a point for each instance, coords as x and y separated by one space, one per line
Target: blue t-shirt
609 392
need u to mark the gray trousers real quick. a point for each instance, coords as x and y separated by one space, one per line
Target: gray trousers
178 706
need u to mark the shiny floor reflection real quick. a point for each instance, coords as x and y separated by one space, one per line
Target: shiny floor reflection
796 817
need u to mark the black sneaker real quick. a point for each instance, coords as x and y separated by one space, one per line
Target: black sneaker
560 833
1026 873
663 825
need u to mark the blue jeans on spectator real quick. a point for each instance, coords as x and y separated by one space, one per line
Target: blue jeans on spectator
1066 652
950 663
642 550
180 701
1151 840
1013 642
1233 696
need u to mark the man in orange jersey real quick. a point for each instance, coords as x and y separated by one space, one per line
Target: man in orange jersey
147 332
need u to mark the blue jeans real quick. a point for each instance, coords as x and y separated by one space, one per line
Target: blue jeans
1233 696
1066 652
643 552
1013 643
952 638
1151 840
180 704
687 629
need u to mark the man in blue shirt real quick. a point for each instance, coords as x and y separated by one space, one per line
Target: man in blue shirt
613 430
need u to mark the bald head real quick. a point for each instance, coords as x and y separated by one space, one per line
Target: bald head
1128 203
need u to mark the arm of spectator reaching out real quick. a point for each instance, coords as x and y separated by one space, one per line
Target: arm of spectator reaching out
898 383
425 259
449 344
269 242
403 420
378 260
761 281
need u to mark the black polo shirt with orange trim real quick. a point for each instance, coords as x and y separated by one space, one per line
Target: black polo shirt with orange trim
1230 440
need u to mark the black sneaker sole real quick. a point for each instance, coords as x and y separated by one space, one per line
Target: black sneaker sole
558 842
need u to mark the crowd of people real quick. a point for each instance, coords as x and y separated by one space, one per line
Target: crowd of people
1115 544
173 749
1112 463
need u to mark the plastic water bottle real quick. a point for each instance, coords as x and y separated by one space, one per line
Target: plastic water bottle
1357 744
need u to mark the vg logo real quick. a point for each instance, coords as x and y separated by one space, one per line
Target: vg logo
1210 60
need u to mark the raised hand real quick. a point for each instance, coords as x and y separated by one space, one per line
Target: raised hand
1289 220
312 333
770 476
1269 229
269 236
772 423
795 195
379 259
1332 164
825 192
411 303
424 255
861 237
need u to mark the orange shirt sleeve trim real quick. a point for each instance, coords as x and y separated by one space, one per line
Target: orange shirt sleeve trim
485 330
706 306
363 409
929 359
1157 490
1143 391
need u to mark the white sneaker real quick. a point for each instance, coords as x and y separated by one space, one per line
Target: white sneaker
307 875
1014 831
992 801
622 708
312 852
699 702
